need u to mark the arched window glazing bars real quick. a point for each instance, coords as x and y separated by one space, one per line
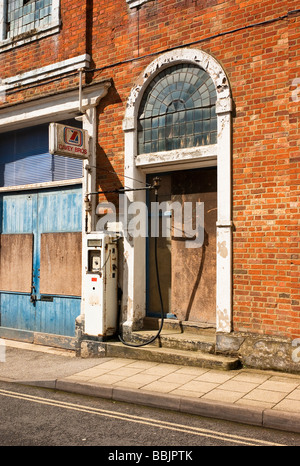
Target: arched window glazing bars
178 110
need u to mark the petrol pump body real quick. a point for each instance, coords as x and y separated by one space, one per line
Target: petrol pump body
100 291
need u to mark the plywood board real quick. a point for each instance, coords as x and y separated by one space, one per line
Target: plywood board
60 272
194 270
187 275
16 262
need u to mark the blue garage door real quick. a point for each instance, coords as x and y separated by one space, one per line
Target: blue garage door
40 237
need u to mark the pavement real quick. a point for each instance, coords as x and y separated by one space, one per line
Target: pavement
263 398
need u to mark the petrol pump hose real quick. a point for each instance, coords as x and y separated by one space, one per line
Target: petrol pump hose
156 184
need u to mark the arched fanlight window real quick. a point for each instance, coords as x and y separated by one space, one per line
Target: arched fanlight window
177 110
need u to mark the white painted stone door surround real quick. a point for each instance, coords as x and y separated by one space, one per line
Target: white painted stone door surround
137 166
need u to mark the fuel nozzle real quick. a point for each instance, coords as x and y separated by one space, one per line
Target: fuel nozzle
156 184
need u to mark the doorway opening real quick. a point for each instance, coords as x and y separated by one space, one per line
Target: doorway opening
187 274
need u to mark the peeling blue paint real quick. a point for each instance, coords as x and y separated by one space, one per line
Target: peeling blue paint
37 212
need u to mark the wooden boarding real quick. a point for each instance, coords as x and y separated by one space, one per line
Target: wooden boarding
194 270
187 275
60 272
16 262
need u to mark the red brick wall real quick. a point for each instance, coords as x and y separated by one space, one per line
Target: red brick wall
70 42
294 160
261 62
266 240
257 44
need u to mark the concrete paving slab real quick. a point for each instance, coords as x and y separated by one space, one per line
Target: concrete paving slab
200 386
294 395
196 371
288 405
215 377
238 386
141 379
223 395
161 387
247 376
255 403
125 371
177 378
285 386
107 379
186 393
265 395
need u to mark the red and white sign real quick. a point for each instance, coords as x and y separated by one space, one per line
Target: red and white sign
68 141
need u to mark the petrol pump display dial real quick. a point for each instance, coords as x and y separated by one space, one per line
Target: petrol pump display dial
94 261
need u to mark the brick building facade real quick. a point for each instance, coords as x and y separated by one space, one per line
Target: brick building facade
249 51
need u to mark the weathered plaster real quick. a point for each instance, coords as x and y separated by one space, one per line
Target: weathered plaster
222 249
46 72
260 352
195 56
223 321
205 155
51 108
135 3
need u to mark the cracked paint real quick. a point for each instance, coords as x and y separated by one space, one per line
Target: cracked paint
205 61
223 320
222 249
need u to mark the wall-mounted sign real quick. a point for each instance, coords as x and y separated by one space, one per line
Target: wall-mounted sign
68 141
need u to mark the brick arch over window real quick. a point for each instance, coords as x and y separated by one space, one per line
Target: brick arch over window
137 165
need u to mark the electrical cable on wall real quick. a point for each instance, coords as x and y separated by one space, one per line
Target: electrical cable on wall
155 186
152 54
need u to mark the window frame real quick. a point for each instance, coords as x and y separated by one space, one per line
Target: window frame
166 81
33 164
43 31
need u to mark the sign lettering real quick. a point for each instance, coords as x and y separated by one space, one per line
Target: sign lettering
68 141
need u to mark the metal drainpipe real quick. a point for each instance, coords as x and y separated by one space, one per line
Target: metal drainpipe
87 202
80 91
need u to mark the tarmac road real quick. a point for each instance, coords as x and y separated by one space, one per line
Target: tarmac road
32 416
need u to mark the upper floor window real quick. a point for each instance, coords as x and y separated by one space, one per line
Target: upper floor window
178 110
27 15
22 21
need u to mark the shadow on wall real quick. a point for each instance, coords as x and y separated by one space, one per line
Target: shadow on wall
109 177
109 163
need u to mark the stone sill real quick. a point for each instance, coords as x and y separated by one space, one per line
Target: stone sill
12 43
136 3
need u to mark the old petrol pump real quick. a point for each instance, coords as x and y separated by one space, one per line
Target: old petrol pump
100 293
100 284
